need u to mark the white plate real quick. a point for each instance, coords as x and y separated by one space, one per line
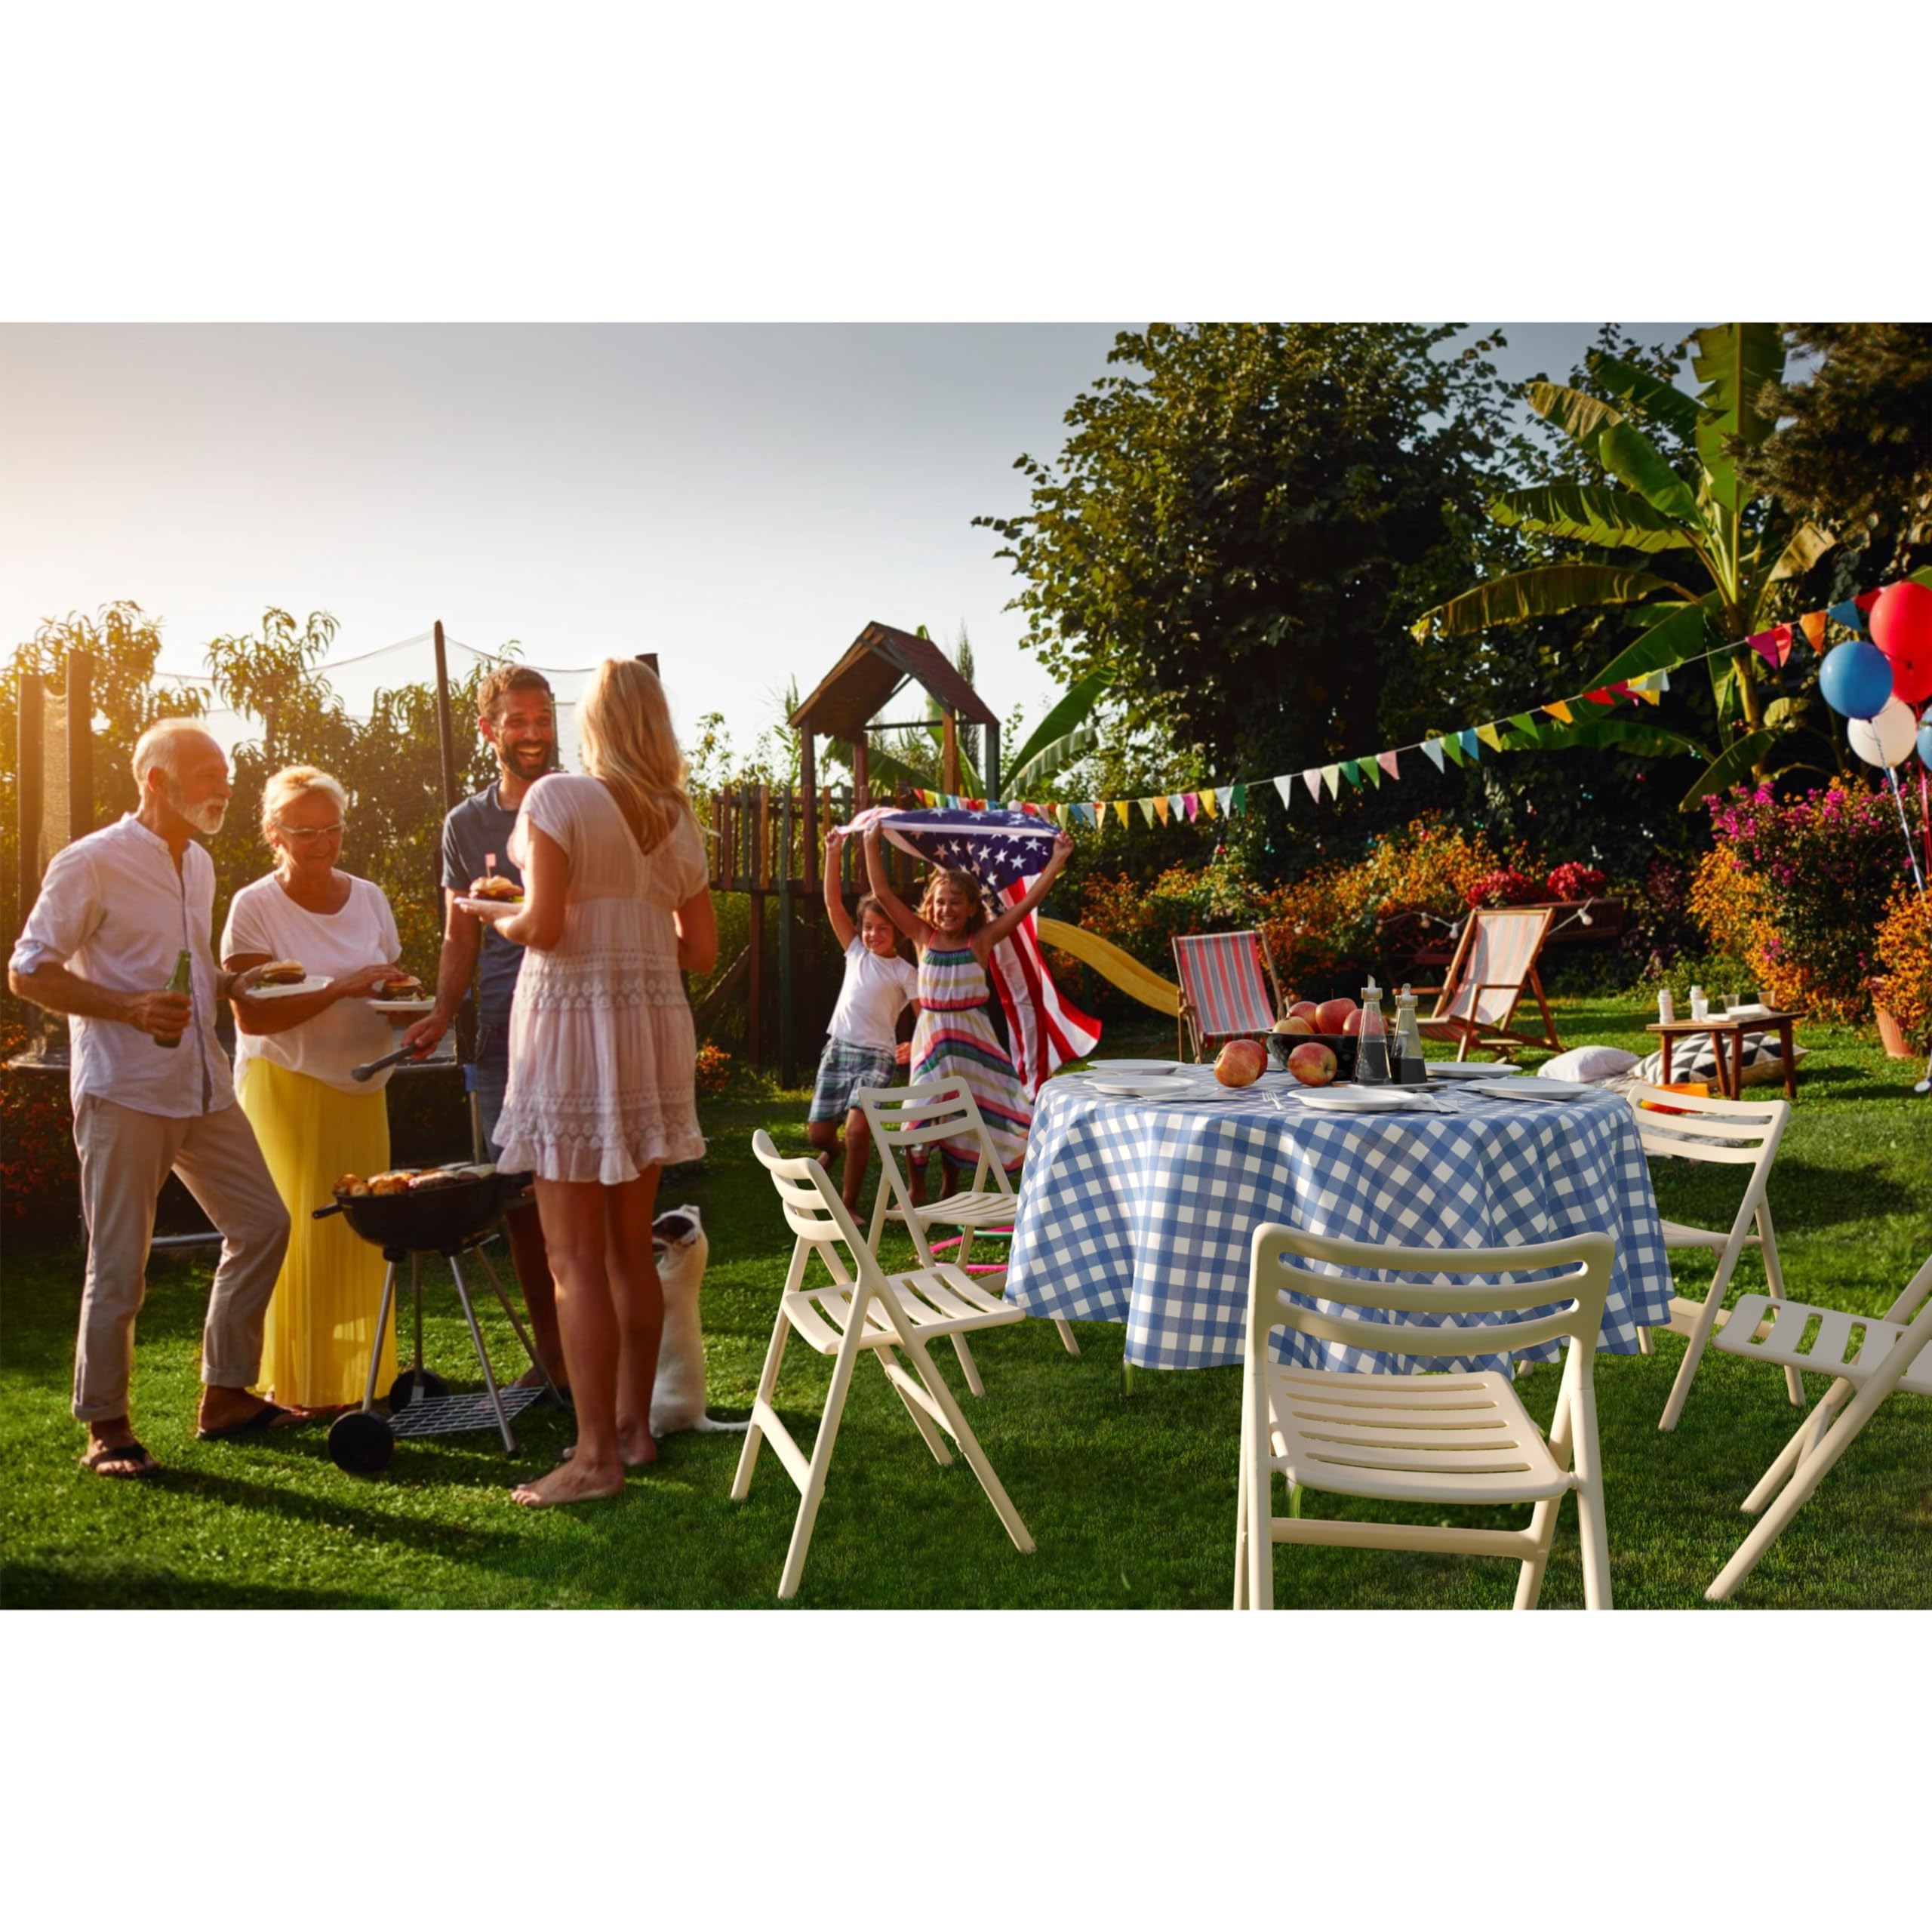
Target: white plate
489 908
311 985
1364 1100
1149 1087
1531 1087
1468 1069
1106 1069
404 1009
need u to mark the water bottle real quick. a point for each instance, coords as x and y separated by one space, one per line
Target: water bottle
183 982
1372 1048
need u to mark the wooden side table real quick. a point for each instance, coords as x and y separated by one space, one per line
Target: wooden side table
1730 1067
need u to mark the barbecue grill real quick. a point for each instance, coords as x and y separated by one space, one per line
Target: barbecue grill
453 1219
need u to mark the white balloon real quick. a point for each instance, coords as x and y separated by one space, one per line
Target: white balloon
1887 739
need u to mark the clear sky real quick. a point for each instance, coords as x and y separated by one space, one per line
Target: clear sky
741 499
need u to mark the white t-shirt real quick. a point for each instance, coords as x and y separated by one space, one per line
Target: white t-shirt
262 918
874 994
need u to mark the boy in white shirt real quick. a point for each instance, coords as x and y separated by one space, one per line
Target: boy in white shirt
863 1049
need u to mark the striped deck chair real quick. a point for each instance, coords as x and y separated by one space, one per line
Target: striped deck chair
1495 961
1222 993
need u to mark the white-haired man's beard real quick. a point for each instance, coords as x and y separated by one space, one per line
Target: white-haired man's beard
207 816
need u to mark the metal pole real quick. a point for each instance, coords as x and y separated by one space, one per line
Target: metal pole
31 777
445 733
992 764
80 744
788 1057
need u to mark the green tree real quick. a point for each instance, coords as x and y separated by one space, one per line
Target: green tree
1667 531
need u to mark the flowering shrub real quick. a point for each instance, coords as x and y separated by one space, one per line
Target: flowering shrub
38 1164
1794 891
714 1070
1904 985
1575 881
1504 886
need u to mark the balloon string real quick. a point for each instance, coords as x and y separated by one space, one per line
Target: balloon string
1905 826
1925 815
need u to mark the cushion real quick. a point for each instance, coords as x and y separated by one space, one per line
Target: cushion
1589 1063
1693 1058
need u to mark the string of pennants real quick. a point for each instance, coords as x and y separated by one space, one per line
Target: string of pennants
1463 746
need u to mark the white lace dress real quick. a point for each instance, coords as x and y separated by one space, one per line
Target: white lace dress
602 1050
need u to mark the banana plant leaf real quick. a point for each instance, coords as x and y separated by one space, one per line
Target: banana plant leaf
1682 634
1733 362
1636 735
1801 552
883 769
1615 519
1051 757
1544 592
1650 395
1068 710
1632 458
1733 767
1581 418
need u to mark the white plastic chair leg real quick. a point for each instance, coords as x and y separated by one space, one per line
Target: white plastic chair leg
968 1367
1806 1435
1700 1334
814 1493
768 1384
1066 1336
1794 1382
1241 1507
1646 1342
1543 1529
1594 1530
969 1448
934 1437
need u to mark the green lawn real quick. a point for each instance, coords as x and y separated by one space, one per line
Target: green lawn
1131 1501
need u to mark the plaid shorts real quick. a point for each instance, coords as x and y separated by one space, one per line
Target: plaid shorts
843 1066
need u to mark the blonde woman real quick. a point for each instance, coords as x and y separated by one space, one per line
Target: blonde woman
292 1063
603 1054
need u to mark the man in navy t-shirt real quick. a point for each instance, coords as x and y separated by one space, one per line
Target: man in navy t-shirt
518 720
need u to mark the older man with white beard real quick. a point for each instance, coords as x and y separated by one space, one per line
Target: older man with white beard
151 1089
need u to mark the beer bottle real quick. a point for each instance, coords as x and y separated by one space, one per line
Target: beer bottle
183 982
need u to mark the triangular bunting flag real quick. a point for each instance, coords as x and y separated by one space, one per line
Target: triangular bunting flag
1432 751
1311 778
1285 785
1848 614
1224 797
1146 809
1648 688
1350 770
1865 599
1600 697
1471 744
1371 770
1452 745
1191 805
1121 808
1331 776
1388 761
1522 722
1235 799
1773 646
1813 623
1491 736
1559 709
1177 806
1207 801
1161 809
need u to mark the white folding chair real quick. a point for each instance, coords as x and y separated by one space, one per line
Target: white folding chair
1731 1134
1868 1361
1451 1438
942 1110
862 1309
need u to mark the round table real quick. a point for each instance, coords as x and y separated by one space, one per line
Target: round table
1142 1211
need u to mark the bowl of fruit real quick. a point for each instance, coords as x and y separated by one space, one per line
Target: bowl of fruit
1316 1041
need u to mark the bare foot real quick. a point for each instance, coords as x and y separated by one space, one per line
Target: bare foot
567 1483
636 1449
533 1378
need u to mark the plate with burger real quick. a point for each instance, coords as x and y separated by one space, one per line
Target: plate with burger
284 979
402 998
488 897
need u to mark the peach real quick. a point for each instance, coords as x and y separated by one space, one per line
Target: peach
1312 1063
1240 1063
1333 1016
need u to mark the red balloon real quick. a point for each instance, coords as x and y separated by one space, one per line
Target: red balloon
1901 623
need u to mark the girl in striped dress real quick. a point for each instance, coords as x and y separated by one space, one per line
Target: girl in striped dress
955 1039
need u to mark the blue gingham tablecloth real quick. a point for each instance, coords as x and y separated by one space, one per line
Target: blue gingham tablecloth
1143 1211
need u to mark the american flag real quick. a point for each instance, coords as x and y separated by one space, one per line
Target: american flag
1004 851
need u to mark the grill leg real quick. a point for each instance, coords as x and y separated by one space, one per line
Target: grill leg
415 1288
376 1347
516 1322
482 1356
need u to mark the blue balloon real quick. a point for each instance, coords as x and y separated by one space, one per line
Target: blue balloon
1856 679
1925 736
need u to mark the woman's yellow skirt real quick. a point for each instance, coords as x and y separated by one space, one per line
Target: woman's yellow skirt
315 1352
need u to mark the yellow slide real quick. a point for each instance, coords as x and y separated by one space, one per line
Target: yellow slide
1121 968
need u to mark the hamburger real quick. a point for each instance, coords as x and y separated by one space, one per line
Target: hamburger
505 891
394 1181
282 973
404 986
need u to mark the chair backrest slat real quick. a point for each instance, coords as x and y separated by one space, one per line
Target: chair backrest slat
1722 1133
824 1227
1502 948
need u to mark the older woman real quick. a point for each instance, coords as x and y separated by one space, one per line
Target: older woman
293 1058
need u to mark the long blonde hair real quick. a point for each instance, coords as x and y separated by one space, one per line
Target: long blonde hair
624 725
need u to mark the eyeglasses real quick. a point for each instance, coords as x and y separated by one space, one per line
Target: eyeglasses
305 836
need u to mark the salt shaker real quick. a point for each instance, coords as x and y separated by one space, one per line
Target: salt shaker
1666 1007
1700 1008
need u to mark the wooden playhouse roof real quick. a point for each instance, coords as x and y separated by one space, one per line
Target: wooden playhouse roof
880 660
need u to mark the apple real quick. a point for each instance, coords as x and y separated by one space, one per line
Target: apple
1353 1023
1295 1023
1240 1062
1332 1016
1304 1009
1312 1063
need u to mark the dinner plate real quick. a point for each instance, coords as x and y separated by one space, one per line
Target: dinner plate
404 1009
1469 1069
1149 1087
1364 1100
312 984
487 907
1107 1069
1533 1086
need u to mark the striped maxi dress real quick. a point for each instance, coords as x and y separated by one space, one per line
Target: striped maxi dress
954 1040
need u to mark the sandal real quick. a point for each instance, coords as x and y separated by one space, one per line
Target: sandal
139 1462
